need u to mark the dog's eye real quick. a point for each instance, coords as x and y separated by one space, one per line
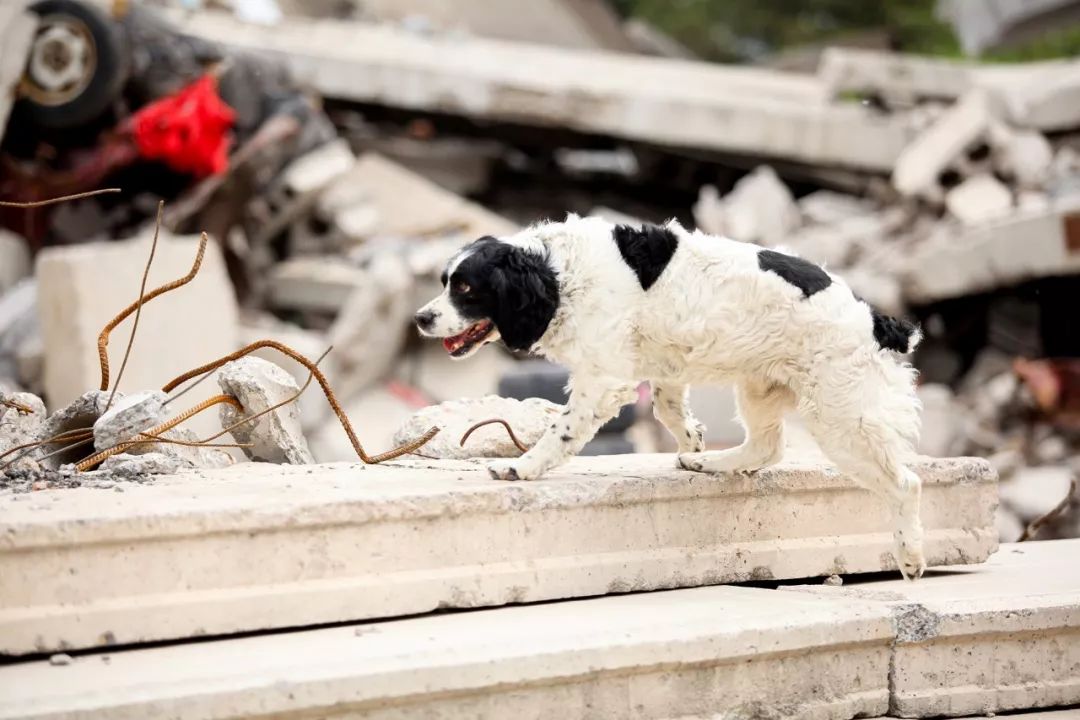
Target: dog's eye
462 287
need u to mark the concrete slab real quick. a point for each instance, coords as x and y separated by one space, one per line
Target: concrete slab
984 639
748 111
706 652
261 546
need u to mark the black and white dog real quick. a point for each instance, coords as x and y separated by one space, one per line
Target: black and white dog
618 305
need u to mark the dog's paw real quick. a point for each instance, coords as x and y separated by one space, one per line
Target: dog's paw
693 440
690 461
909 557
507 470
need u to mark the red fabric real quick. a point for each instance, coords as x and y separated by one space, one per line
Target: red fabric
188 130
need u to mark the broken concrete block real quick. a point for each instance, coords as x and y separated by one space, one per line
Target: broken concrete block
1024 157
259 385
82 287
78 415
406 204
731 652
320 284
760 208
1047 100
979 199
825 207
528 418
709 210
317 169
312 405
128 417
18 426
369 333
935 149
439 534
984 639
14 259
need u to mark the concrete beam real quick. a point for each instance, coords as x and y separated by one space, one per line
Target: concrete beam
996 254
261 546
984 639
678 103
706 652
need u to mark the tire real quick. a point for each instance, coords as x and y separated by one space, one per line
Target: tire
85 95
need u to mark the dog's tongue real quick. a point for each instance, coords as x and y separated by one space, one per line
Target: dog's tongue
453 343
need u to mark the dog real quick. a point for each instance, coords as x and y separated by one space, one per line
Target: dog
619 305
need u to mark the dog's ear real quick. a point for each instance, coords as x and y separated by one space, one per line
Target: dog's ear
526 297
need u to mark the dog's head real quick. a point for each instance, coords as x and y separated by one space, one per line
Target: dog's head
491 290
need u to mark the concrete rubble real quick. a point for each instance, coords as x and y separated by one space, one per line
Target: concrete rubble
528 418
260 385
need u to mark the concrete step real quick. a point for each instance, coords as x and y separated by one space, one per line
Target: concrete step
983 639
259 546
744 652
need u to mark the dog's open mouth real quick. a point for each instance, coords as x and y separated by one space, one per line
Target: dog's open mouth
474 336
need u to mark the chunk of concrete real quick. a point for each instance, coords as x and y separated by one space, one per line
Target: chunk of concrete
126 465
315 170
128 417
259 546
82 287
528 418
983 639
260 385
406 204
21 417
320 284
935 149
78 415
14 259
1024 157
990 255
825 207
979 199
760 208
705 652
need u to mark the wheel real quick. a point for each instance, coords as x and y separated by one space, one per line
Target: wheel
77 65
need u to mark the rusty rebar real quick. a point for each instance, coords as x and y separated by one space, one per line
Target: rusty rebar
52 201
520 445
138 306
16 406
327 391
157 430
103 338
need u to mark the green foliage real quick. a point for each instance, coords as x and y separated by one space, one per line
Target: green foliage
744 30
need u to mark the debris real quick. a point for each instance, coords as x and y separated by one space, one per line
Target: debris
21 417
258 385
834 581
148 463
79 415
760 208
319 284
962 126
978 199
128 417
81 287
529 419
1025 156
60 660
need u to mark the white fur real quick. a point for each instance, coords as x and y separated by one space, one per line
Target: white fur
714 316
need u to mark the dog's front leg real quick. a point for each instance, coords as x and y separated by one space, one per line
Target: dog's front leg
592 403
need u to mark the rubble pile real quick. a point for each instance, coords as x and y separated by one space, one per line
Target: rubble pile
363 148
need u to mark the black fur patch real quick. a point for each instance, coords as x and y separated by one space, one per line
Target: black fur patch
804 275
892 333
514 288
647 250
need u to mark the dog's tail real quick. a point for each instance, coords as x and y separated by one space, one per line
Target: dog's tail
894 333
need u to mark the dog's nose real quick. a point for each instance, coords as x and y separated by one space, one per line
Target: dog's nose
425 319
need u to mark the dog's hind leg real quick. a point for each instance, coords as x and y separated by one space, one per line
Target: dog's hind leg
761 409
672 408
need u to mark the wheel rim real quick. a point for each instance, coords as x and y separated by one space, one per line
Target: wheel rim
62 61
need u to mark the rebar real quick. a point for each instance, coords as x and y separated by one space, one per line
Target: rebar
103 338
520 445
327 391
52 201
